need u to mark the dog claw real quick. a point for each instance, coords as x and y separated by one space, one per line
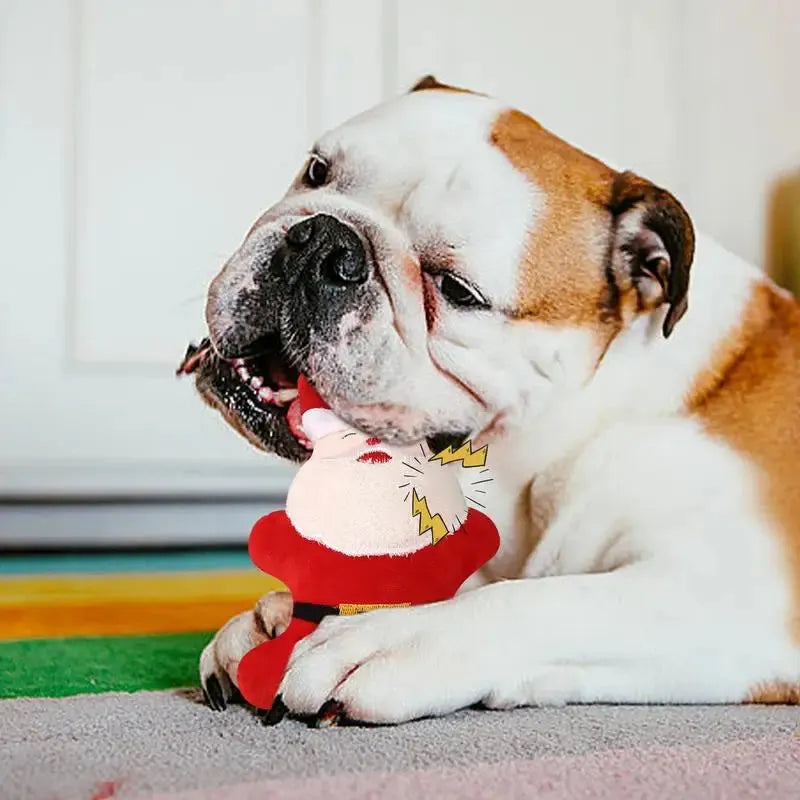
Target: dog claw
329 715
276 713
212 691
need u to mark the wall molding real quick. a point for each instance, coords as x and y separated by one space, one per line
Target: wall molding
120 524
65 478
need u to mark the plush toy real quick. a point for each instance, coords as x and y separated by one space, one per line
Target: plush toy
367 525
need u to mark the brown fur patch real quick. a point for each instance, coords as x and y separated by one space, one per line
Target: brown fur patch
657 211
561 279
775 694
750 397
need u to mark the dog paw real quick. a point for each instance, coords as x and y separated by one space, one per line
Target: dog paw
274 610
386 666
217 686
219 661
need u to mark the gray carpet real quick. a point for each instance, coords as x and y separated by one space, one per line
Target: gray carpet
120 745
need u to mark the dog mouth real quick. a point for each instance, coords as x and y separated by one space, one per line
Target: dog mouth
257 396
255 393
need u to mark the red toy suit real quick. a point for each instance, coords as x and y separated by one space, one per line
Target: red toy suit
324 581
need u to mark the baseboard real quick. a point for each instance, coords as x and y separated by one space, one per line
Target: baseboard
116 523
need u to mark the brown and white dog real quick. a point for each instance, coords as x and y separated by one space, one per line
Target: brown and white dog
443 266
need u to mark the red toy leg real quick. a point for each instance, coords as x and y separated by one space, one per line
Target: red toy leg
261 670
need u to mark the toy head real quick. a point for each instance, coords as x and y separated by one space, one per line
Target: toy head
359 495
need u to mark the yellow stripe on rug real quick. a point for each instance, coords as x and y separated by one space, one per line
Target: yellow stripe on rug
97 605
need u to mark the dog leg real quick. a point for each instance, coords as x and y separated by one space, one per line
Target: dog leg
219 661
631 635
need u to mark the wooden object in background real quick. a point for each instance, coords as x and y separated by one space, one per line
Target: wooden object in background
783 233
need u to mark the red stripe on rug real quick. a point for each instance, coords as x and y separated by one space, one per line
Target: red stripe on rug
758 768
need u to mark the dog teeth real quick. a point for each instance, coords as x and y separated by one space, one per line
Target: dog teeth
256 382
268 395
243 373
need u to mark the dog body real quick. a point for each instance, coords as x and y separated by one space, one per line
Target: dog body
504 285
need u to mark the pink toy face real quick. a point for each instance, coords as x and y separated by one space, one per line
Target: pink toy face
355 494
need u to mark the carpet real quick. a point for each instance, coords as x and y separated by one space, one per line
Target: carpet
107 624
167 745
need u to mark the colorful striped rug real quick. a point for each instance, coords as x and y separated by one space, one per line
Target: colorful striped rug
71 624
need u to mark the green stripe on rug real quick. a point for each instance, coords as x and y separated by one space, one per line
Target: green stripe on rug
90 665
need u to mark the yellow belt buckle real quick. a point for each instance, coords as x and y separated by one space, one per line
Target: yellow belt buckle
349 609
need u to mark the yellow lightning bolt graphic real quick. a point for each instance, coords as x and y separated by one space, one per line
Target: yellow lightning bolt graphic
434 524
465 454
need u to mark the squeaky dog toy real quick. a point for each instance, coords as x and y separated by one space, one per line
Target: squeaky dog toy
367 525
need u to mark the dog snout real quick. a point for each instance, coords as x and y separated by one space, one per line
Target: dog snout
321 248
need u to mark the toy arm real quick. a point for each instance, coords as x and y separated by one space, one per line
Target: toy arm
485 540
475 543
271 541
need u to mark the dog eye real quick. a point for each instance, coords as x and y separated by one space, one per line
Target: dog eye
458 292
316 171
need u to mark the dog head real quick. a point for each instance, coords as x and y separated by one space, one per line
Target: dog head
442 266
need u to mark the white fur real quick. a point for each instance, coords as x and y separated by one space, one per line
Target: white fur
431 171
650 569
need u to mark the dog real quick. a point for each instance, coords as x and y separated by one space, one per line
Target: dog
444 267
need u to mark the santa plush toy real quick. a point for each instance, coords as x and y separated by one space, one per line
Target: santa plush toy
367 525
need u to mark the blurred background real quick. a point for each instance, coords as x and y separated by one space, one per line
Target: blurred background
139 140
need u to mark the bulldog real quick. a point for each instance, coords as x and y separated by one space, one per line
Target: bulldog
443 267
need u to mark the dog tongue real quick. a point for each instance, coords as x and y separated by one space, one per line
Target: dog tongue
293 416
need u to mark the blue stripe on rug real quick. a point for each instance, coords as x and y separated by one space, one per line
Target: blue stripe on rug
158 561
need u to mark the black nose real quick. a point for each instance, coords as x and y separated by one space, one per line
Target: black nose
328 248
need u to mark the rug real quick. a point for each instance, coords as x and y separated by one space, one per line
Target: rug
167 746
124 621
96 626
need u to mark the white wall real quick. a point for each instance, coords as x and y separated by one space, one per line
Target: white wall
140 139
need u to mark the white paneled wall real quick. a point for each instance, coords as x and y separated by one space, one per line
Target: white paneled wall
741 112
140 139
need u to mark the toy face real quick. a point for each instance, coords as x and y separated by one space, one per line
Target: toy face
355 494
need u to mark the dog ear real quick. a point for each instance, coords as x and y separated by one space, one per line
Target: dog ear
426 82
653 245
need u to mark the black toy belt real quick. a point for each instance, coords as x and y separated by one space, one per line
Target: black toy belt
316 612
